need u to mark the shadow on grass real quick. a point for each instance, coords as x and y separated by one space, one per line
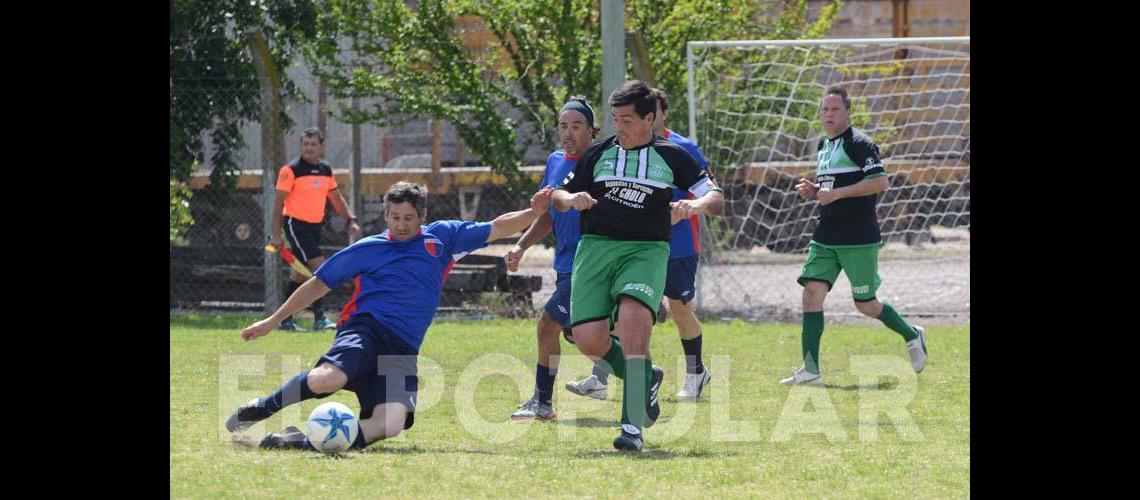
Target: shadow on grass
589 422
657 454
249 444
419 450
881 386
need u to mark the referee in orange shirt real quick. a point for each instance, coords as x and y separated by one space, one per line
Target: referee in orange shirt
302 188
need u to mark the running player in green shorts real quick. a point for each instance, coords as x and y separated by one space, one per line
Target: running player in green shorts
623 188
848 179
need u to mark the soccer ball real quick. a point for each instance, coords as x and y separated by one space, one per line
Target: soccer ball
332 427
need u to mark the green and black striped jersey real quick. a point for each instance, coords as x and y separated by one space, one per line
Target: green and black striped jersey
843 161
634 187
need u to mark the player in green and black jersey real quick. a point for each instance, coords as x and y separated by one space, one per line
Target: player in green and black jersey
623 187
848 179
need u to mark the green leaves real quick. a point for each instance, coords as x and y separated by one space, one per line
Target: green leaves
180 219
497 70
213 88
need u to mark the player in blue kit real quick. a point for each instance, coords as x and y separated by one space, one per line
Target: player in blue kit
576 129
399 276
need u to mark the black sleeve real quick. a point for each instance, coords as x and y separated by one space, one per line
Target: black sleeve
865 153
687 174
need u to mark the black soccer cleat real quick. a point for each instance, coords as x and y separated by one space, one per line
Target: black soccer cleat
629 441
289 439
246 415
652 407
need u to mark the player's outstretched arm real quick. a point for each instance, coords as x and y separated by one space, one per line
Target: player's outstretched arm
712 203
564 200
305 295
537 231
513 222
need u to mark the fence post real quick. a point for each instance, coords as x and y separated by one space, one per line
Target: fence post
272 154
356 201
613 56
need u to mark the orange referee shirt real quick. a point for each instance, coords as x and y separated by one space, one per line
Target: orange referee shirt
308 187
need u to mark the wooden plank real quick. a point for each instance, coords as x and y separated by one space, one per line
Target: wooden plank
924 171
376 181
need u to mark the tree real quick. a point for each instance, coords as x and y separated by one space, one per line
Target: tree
666 30
213 89
411 64
551 50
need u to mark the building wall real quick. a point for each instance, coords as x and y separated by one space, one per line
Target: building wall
875 18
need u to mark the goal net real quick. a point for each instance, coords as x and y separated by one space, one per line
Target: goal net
753 111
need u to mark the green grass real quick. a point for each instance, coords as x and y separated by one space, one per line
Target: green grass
574 457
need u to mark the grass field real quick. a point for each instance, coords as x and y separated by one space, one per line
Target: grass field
739 440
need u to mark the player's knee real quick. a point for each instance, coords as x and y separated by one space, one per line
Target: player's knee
871 308
592 343
386 422
682 311
814 293
634 312
548 328
326 379
815 290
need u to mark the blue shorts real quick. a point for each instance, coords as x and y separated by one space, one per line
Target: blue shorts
558 307
681 278
381 368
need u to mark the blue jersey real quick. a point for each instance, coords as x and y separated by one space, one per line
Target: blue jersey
684 236
399 282
567 230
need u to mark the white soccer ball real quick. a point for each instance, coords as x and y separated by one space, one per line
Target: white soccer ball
332 427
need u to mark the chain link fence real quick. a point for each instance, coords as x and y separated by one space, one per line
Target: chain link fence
217 262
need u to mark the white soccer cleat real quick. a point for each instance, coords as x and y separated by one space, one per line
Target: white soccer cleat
694 383
803 377
917 350
590 386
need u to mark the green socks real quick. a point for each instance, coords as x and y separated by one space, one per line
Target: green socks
637 374
812 331
891 318
635 390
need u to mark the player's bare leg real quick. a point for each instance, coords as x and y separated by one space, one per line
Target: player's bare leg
387 421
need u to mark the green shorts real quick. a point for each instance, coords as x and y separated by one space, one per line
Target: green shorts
605 268
861 263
